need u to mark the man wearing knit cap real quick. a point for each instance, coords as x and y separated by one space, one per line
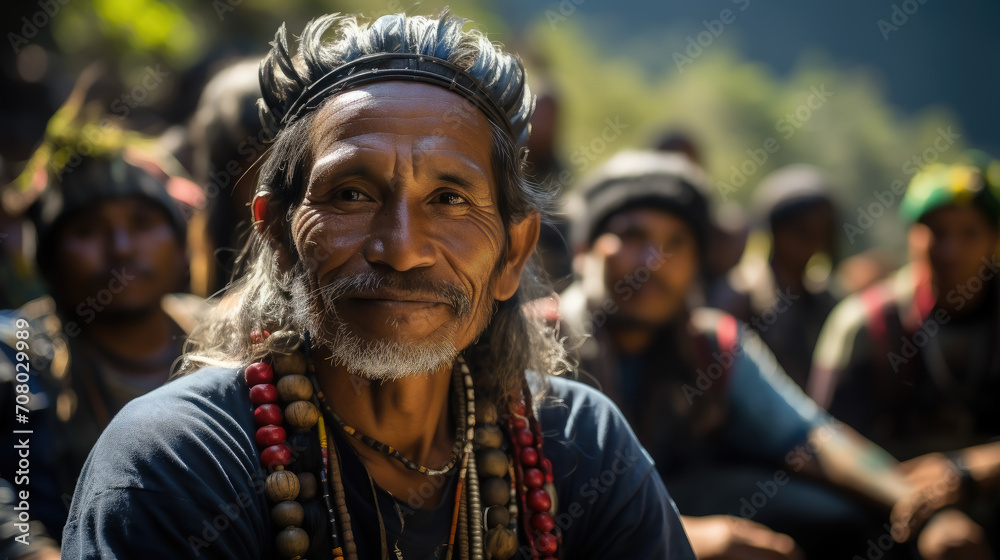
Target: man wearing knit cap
777 290
914 362
110 245
733 436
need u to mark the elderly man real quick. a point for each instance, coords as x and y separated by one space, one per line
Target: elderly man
368 394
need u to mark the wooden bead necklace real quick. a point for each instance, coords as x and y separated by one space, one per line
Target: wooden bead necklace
492 493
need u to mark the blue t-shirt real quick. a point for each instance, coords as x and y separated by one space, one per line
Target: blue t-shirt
768 413
177 473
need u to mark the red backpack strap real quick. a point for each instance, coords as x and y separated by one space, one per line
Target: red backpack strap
874 301
726 339
727 333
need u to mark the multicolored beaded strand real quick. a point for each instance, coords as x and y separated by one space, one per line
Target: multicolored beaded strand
493 503
282 486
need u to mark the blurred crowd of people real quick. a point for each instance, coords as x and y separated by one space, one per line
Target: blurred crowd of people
797 404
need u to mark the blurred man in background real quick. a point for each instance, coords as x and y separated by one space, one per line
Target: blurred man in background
914 362
773 290
110 245
728 429
228 140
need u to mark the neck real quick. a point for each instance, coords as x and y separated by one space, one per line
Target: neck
786 276
135 336
963 301
409 414
632 340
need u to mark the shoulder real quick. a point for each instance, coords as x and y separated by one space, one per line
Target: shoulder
183 453
211 402
611 501
207 392
201 423
851 321
571 409
597 462
711 322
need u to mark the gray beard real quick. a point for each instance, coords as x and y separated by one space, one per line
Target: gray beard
314 312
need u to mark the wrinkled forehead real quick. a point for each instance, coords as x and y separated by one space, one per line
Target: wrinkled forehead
397 99
383 114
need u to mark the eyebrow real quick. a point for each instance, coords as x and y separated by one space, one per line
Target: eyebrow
459 181
329 167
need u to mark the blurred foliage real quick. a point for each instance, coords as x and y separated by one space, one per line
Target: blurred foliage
728 104
142 28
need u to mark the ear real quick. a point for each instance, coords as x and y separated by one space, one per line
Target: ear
521 240
270 225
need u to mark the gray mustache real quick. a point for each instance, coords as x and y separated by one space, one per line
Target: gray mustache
417 284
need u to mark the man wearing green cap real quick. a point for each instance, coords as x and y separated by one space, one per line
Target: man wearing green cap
913 363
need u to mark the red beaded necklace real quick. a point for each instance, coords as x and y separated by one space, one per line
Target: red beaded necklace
492 492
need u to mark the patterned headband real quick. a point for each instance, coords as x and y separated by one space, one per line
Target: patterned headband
408 67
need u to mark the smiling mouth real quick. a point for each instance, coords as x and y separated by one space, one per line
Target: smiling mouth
397 304
397 301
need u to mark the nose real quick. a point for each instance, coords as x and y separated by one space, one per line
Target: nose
945 250
121 243
400 236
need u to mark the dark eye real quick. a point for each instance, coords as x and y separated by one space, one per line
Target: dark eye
82 229
451 198
632 236
143 220
352 195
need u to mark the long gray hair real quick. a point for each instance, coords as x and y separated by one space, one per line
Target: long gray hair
259 296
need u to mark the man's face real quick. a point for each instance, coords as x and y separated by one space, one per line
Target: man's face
812 232
650 261
958 238
399 229
120 257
